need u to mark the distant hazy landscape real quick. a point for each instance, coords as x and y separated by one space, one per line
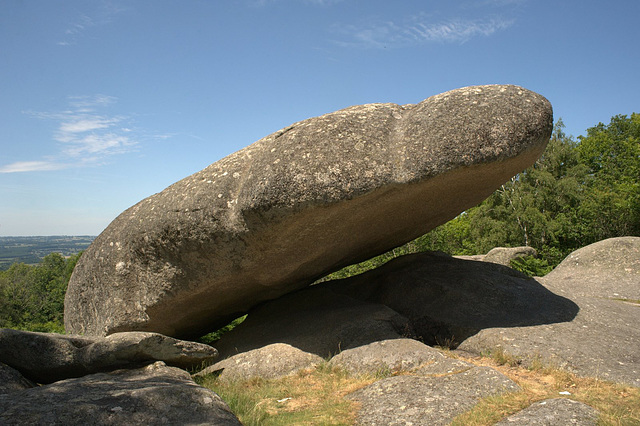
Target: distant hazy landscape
31 250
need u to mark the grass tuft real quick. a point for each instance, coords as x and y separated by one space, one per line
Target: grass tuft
311 397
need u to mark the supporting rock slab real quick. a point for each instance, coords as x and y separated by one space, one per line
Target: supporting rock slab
315 320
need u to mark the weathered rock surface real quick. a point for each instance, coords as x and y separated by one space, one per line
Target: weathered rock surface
603 280
607 269
304 201
553 412
406 400
269 362
448 299
49 357
504 255
153 395
11 380
397 355
314 320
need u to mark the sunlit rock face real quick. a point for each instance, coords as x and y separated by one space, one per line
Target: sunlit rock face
304 201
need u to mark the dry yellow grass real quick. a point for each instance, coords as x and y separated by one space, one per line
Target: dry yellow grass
317 396
617 404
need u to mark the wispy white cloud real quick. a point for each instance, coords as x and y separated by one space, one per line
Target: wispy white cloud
86 135
31 166
419 29
96 14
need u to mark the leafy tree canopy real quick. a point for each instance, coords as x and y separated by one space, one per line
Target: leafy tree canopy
32 297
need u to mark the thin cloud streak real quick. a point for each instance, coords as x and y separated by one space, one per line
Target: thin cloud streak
31 166
419 30
85 135
83 23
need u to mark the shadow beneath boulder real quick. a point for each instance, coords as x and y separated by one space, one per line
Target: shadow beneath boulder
316 320
429 296
448 300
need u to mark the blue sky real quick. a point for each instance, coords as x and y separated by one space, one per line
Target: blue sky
104 103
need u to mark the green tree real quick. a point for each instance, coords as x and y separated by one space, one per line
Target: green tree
537 207
32 297
612 155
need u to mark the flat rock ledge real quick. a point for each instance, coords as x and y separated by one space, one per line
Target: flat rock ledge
552 412
351 184
49 357
152 395
407 399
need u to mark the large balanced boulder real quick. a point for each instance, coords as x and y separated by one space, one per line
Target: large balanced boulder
306 200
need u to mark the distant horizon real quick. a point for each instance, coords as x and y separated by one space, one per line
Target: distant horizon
48 236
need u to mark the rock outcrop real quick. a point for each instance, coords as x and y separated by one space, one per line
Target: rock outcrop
151 395
603 280
551 412
395 356
268 362
448 300
414 400
11 380
49 357
502 255
304 201
607 269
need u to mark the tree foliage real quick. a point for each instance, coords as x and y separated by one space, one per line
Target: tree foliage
577 193
32 297
612 155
